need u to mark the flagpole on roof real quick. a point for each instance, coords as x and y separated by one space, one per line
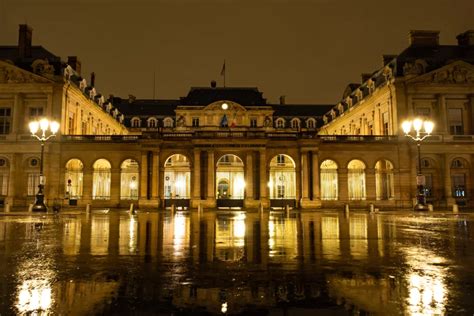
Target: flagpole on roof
223 72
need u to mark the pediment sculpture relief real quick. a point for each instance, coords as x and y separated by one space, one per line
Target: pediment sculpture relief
14 75
416 68
456 73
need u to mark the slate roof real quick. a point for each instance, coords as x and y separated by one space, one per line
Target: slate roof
205 96
145 107
37 52
301 110
435 56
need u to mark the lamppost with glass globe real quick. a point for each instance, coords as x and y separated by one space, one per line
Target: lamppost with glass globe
42 130
421 129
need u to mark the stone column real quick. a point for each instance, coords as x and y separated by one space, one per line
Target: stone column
315 179
211 179
342 185
442 125
115 186
370 184
471 116
87 183
18 113
196 189
249 192
155 187
12 179
447 182
143 176
304 176
263 179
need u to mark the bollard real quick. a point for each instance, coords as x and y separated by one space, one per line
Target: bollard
7 208
455 208
430 207
132 209
173 208
372 208
346 208
199 208
261 208
30 208
88 208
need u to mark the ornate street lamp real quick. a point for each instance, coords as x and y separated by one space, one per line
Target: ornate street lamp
421 130
42 130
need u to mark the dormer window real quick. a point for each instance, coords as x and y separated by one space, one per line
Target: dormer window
135 122
295 123
280 123
311 123
168 122
152 122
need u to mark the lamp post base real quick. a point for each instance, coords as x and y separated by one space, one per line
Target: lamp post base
39 205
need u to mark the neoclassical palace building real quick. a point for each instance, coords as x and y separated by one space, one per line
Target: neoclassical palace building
229 147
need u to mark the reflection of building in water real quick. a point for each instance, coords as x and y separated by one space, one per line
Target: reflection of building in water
71 236
358 236
379 295
282 238
230 237
128 239
99 234
330 237
176 236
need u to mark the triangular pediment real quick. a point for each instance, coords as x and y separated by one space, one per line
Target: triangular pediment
219 106
458 72
10 73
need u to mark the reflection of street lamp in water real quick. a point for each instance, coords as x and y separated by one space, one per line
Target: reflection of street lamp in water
418 137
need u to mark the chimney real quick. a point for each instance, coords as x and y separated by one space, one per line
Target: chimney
466 38
24 41
365 77
282 100
74 63
387 58
92 79
423 38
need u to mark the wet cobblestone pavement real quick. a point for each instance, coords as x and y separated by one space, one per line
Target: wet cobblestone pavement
218 263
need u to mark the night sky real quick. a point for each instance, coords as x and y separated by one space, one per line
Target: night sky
308 50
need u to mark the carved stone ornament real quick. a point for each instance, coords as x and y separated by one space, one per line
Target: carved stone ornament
416 68
180 121
267 122
458 72
43 68
387 72
11 74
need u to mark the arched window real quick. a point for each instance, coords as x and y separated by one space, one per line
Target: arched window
356 180
177 182
33 175
311 123
282 182
152 122
384 189
101 180
230 177
295 123
429 170
168 122
328 179
129 180
4 174
135 122
460 176
280 123
74 178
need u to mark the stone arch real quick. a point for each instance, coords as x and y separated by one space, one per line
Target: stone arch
74 178
129 179
177 177
356 179
282 180
101 177
328 171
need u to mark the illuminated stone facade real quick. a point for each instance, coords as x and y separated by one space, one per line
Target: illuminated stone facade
229 147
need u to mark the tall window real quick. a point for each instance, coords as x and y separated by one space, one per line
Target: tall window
280 123
74 178
177 181
328 179
282 182
33 176
5 120
356 180
230 170
168 122
36 113
459 174
71 123
384 189
4 173
253 122
195 121
295 124
385 124
310 123
152 122
455 122
135 122
129 180
101 180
